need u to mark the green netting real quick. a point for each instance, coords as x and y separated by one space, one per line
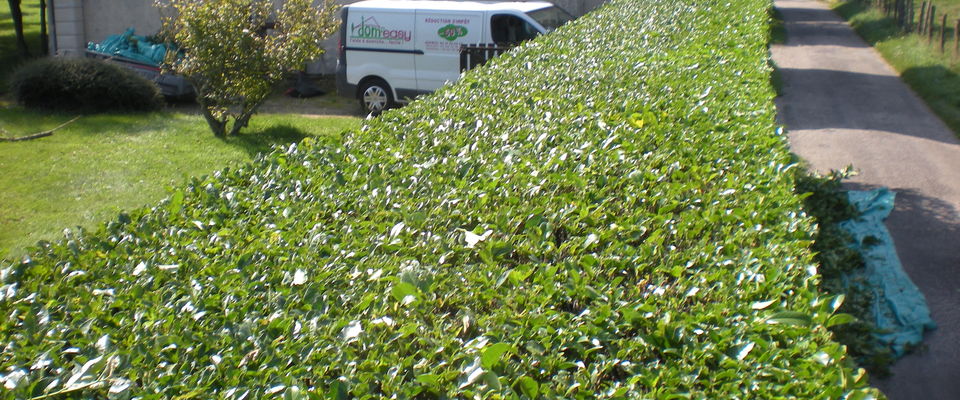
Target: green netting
134 47
899 308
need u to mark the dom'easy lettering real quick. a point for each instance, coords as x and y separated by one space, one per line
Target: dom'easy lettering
369 28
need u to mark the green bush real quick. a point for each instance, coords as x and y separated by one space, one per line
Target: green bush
604 212
83 85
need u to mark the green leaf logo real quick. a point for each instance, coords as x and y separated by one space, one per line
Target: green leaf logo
452 32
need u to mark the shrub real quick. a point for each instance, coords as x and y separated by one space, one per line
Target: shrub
83 85
604 212
231 63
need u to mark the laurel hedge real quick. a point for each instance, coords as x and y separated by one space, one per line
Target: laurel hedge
605 212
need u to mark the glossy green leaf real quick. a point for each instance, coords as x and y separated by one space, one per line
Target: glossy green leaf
840 319
528 387
493 354
790 318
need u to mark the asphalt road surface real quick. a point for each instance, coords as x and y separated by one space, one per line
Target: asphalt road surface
843 105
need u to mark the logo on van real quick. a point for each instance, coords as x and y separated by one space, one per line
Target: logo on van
452 32
369 28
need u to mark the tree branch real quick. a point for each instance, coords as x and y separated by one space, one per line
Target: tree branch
38 134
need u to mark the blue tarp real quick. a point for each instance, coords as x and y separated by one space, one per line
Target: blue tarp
900 310
130 46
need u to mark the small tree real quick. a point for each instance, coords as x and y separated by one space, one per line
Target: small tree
237 51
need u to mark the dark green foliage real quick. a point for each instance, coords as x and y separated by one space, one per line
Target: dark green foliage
827 202
776 78
778 32
604 212
82 85
778 35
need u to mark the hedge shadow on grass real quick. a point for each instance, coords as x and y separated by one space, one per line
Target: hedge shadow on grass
261 141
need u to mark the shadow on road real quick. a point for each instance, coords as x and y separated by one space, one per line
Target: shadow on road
925 213
807 15
830 99
808 27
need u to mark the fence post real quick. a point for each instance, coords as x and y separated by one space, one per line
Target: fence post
943 32
931 18
956 38
898 13
904 14
913 15
923 14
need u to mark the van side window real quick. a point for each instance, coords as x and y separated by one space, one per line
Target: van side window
511 29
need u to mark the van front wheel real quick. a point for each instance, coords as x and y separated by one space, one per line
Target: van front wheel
375 96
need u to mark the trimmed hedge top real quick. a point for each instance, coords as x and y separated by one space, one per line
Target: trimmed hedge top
606 212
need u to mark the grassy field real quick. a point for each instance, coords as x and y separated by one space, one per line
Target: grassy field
9 59
933 75
99 165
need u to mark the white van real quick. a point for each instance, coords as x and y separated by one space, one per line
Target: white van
394 50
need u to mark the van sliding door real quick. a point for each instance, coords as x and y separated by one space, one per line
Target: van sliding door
440 35
380 43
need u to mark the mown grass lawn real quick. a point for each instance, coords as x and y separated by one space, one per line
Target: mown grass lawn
935 76
100 165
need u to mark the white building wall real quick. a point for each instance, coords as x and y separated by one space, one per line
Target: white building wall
68 36
111 17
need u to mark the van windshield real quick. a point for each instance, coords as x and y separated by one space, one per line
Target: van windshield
551 17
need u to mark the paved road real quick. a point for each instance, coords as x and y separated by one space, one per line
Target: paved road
843 105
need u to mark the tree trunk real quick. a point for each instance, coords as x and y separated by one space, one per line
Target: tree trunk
218 127
244 118
239 123
44 37
17 14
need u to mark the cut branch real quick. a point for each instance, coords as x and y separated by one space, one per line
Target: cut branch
38 134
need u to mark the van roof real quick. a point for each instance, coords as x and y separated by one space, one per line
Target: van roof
522 6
